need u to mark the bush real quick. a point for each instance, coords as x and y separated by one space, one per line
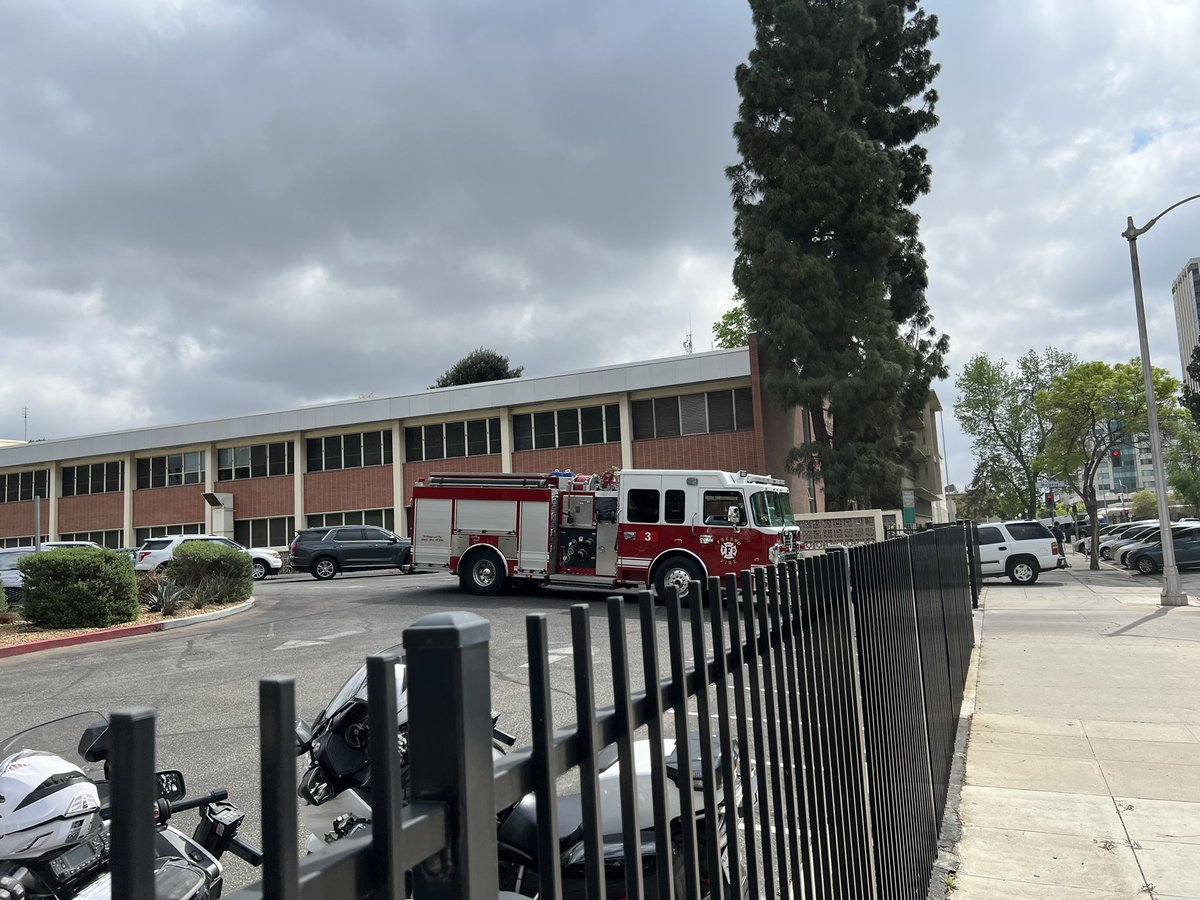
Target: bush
227 572
78 587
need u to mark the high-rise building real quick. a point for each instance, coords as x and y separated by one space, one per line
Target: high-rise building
1186 293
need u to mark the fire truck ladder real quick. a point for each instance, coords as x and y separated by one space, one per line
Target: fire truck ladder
494 479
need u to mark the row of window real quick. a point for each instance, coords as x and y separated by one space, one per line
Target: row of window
349 451
273 532
156 531
17 486
97 478
171 470
449 440
111 539
22 541
256 461
567 428
385 518
707 413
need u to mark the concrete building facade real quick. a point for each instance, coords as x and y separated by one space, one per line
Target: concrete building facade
260 477
1185 291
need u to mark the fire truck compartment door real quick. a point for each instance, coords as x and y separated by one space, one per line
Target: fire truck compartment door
534 545
606 549
490 516
431 534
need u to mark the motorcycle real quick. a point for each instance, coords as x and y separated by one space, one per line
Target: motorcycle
335 795
55 823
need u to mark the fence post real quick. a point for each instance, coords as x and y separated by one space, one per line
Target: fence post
277 741
450 750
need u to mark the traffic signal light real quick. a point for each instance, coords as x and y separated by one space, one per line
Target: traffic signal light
1116 456
1049 499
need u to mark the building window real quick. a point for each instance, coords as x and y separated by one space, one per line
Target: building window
273 532
349 451
17 486
171 470
384 518
156 531
23 541
452 440
567 427
701 413
110 539
97 478
256 461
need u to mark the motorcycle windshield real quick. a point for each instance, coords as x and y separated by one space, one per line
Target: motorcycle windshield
355 688
62 737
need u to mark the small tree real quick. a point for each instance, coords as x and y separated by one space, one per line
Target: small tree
1092 408
1183 465
78 587
479 365
733 329
1143 504
1188 398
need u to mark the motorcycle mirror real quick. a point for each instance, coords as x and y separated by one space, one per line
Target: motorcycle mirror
171 786
303 736
93 746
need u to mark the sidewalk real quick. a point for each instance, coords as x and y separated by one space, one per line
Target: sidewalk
1083 761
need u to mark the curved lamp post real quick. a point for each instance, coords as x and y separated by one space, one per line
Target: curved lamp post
1172 592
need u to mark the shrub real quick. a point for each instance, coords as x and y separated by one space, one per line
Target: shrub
78 587
227 570
162 594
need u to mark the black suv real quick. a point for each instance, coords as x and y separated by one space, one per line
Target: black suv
341 548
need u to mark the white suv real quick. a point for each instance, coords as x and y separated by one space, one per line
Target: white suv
1020 550
157 552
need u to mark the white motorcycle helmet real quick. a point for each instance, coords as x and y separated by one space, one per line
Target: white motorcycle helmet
46 803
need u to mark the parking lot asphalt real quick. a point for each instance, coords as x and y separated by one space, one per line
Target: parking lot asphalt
203 680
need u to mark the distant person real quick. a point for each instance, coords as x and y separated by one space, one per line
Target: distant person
1060 536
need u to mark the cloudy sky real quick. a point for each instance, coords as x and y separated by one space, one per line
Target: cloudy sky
211 207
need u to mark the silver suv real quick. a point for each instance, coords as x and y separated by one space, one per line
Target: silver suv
157 552
1020 550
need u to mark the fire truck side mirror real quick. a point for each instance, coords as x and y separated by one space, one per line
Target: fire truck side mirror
735 515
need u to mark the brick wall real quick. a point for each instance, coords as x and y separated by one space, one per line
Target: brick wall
416 470
369 488
16 519
94 512
588 459
260 498
729 451
164 506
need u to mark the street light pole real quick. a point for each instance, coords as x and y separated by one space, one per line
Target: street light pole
1172 592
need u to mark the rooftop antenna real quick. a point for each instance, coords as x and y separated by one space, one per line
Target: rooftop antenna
25 416
687 340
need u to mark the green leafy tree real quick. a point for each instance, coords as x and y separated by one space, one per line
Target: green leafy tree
478 365
733 329
1092 408
1182 462
1143 504
834 96
996 409
989 496
1188 398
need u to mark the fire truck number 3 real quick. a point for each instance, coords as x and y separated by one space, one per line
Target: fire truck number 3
646 536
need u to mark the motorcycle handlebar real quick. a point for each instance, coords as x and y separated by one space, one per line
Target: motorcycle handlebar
195 802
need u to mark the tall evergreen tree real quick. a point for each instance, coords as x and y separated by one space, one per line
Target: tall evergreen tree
829 261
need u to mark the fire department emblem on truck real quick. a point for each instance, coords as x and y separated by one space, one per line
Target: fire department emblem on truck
729 549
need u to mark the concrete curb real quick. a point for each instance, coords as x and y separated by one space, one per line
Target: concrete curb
121 631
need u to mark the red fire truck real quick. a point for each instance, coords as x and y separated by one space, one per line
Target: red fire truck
632 528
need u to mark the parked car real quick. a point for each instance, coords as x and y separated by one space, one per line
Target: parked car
1128 536
1149 560
10 574
1084 544
1122 553
50 545
1020 550
324 552
157 552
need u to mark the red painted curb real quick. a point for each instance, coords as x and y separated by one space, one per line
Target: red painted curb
51 643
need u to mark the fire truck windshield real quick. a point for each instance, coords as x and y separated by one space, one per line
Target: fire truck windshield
772 508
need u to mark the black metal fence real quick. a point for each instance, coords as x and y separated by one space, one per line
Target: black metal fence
828 689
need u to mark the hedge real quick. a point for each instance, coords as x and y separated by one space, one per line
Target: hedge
78 587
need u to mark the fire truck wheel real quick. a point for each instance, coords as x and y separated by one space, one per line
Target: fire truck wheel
482 574
677 571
